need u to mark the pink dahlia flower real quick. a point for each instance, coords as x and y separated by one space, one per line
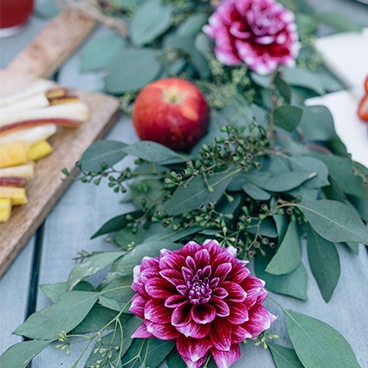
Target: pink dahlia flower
202 296
260 33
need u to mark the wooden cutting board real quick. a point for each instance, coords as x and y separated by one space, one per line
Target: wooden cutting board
39 60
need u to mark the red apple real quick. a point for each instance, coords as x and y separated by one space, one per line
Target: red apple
12 181
172 112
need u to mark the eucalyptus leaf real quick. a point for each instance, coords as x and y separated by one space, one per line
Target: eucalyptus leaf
304 193
288 255
311 164
317 344
126 264
175 360
196 193
99 52
54 291
287 117
108 152
64 315
112 304
334 221
293 284
131 70
158 350
353 246
267 228
192 25
306 24
174 236
115 224
338 21
284 357
324 262
317 124
260 115
154 152
150 21
283 88
116 286
303 78
19 355
280 182
255 192
94 264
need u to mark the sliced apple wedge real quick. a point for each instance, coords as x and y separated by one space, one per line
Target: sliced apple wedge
57 92
12 181
30 135
38 122
22 171
77 111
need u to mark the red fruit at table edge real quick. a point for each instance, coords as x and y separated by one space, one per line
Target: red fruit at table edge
363 108
366 84
172 112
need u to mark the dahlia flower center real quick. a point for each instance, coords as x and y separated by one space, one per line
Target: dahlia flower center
200 291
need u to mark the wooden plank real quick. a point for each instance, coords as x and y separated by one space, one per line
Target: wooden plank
46 188
14 291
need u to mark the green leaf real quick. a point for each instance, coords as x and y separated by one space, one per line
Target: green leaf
303 78
117 287
284 357
318 344
99 52
111 340
150 21
108 152
306 24
196 193
256 192
20 354
324 262
288 255
61 316
175 360
293 284
115 224
126 264
280 182
172 235
334 221
338 21
112 304
47 9
154 152
284 88
260 115
192 25
267 228
311 164
54 291
305 193
131 70
288 117
97 318
353 246
361 206
317 124
94 264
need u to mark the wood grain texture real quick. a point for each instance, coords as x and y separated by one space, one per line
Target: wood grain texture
46 188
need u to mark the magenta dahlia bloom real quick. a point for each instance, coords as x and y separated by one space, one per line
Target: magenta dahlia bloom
260 33
202 296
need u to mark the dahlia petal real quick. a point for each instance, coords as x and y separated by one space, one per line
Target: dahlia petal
175 301
221 258
149 273
238 313
197 364
190 249
224 359
226 57
213 247
220 334
239 334
222 271
194 330
252 282
193 349
236 292
162 331
203 313
260 319
141 332
159 288
222 308
238 273
187 273
137 305
171 261
202 258
155 311
173 276
182 315
207 271
220 292
182 289
214 282
191 263
149 262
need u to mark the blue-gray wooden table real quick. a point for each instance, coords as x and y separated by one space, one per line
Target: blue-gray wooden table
47 258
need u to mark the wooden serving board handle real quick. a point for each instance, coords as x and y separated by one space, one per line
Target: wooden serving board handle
51 47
